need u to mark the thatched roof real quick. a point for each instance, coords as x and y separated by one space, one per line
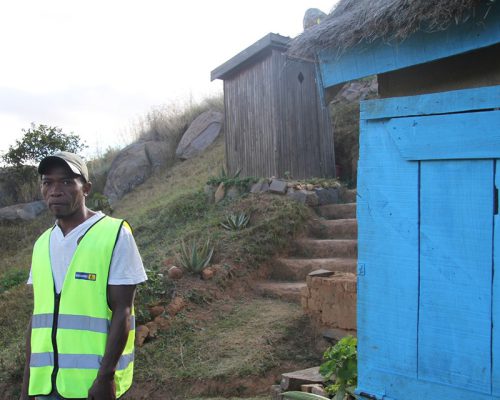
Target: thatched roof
355 21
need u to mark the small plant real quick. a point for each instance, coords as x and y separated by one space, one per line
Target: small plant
99 202
236 222
193 257
341 367
232 180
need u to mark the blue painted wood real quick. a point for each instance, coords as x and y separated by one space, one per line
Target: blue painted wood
400 387
456 232
436 340
435 137
438 103
378 57
388 246
495 344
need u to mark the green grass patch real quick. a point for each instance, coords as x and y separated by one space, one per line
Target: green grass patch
242 339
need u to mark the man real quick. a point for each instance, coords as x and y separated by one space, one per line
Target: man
84 272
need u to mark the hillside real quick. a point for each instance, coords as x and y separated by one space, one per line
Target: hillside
226 340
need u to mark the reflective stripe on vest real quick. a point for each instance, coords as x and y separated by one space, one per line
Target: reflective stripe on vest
79 361
81 317
76 322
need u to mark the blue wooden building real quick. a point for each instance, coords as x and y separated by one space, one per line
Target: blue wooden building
428 179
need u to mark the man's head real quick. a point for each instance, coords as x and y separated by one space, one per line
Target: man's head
65 184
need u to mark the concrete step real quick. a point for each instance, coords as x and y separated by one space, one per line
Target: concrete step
337 211
297 269
335 228
289 291
326 248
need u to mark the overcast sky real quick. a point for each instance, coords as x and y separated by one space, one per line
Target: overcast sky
93 67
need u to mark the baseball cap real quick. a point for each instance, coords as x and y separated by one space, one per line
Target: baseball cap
73 161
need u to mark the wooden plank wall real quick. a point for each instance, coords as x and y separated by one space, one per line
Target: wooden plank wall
274 123
249 100
305 134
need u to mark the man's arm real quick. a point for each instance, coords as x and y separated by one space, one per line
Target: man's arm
120 299
26 376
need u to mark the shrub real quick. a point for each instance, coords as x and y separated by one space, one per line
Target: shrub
341 367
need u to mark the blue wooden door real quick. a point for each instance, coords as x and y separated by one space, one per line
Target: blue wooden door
429 245
456 259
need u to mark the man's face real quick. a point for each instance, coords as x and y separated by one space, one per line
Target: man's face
63 192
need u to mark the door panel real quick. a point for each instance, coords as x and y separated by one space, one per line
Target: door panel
456 240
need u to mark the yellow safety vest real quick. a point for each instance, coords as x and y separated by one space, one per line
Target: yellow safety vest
69 330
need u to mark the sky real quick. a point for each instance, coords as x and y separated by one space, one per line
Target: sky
95 67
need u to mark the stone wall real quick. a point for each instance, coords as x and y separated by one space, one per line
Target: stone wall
330 301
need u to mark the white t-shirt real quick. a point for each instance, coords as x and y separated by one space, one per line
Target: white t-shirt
126 264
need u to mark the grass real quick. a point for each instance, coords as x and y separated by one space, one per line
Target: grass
247 338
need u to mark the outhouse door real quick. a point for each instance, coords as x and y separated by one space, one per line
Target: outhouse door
429 246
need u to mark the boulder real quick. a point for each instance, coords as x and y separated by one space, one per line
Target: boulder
24 211
312 17
132 166
200 134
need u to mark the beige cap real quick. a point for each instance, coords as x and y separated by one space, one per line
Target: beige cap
73 161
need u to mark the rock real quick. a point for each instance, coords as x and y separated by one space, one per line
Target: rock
327 196
210 192
24 211
162 323
200 134
155 311
153 329
265 187
310 187
220 193
175 272
312 17
175 306
278 186
256 187
141 333
233 193
321 273
132 166
207 273
304 196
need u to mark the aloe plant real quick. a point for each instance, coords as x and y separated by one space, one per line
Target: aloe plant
193 257
236 222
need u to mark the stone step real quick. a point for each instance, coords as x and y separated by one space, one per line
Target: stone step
335 228
289 291
349 196
297 269
337 211
326 248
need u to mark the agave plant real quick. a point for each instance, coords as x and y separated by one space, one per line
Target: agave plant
236 222
193 257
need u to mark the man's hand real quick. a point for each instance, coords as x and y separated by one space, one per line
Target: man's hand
103 389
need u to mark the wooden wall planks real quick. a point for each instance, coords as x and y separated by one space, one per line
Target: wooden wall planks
276 122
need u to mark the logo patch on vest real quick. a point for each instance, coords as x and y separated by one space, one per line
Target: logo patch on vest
85 276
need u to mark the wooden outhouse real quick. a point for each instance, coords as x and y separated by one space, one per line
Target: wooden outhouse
275 122
427 203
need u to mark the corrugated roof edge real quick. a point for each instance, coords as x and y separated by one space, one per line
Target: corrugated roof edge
271 40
